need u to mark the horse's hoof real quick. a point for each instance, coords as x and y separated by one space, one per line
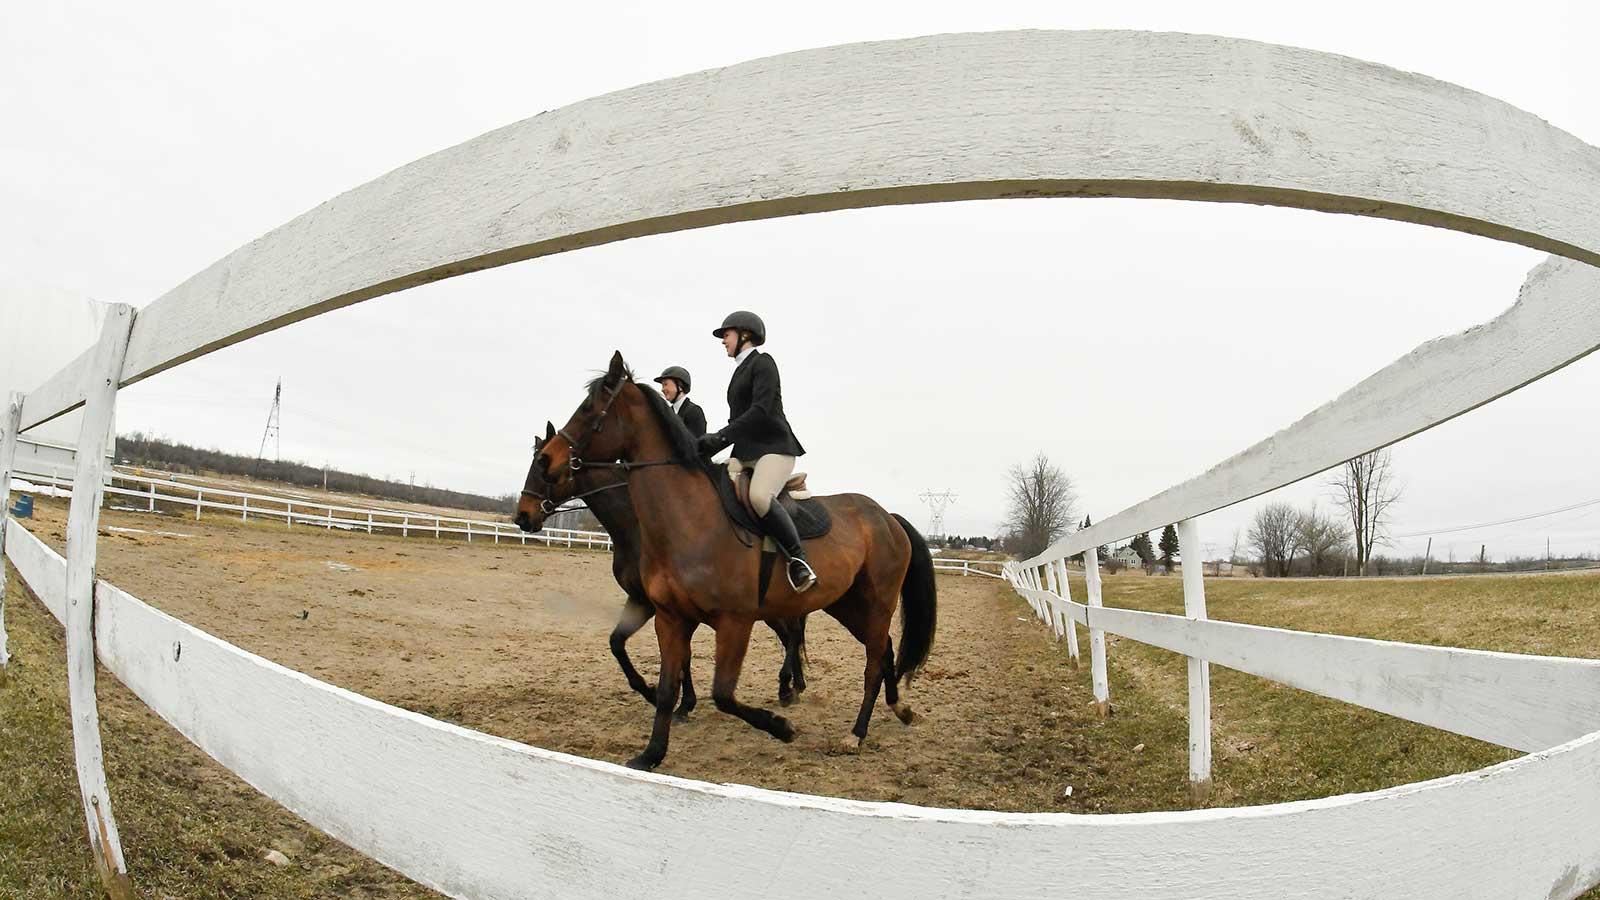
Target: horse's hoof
904 713
681 715
787 699
850 744
643 763
782 730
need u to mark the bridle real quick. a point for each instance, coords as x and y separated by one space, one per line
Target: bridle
550 508
576 462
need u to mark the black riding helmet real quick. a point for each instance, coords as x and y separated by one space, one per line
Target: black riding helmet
678 372
744 320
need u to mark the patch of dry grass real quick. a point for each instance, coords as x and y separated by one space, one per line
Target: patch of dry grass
189 828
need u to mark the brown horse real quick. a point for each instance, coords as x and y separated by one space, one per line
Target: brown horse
605 493
697 570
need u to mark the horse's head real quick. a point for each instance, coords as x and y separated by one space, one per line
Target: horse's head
599 430
540 497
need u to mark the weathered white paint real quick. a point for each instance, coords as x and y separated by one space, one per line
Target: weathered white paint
1097 636
1194 607
1067 622
10 419
83 525
1053 585
1033 114
477 816
44 327
1552 324
1514 700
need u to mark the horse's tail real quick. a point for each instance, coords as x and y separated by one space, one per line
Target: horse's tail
919 606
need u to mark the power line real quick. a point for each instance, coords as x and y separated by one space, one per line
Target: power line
1537 515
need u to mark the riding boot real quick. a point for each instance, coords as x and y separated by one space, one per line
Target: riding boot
781 529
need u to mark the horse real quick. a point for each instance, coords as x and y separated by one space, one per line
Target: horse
696 569
606 494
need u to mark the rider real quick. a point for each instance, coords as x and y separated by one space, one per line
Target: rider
761 436
674 381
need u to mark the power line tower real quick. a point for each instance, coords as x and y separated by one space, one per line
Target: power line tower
938 502
271 434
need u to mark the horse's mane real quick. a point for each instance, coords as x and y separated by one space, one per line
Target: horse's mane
685 447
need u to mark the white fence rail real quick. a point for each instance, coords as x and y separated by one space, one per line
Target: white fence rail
1092 113
142 492
969 567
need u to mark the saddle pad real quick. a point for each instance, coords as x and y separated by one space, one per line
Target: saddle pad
810 517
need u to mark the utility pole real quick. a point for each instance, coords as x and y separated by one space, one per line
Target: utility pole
1425 554
271 434
938 502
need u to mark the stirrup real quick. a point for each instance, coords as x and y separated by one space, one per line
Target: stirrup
810 578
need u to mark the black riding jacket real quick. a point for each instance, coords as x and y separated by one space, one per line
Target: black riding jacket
755 406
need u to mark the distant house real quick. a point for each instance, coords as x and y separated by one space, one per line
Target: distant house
1128 558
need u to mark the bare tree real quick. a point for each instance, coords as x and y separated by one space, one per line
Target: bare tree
1041 506
1365 487
1323 537
1275 536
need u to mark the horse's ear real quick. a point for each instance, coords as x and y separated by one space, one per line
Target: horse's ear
618 370
549 430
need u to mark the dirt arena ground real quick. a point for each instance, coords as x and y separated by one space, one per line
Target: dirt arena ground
512 641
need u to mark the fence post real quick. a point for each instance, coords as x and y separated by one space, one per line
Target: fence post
199 501
288 514
83 525
152 496
1052 587
436 528
405 526
1194 607
244 509
369 523
330 518
1097 638
469 531
10 423
1071 624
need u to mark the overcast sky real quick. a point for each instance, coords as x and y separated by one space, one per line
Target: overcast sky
922 347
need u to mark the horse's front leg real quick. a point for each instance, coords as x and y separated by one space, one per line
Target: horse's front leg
672 633
733 640
635 612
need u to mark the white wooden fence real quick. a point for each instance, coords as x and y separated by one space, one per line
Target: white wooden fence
969 567
1030 114
141 492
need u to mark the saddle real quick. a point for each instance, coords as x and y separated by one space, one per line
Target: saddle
811 518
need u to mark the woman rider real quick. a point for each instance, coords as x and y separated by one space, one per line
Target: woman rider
674 381
761 436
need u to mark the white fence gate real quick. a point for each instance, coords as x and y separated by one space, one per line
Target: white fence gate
1030 114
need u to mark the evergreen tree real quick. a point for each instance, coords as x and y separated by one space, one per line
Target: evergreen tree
1169 547
1141 545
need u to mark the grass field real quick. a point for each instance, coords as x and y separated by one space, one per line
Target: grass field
1010 723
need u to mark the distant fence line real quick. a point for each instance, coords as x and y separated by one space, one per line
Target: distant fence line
299 511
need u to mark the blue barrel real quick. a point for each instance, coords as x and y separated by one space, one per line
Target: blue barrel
24 507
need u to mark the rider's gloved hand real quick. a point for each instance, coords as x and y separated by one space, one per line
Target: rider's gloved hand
711 444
